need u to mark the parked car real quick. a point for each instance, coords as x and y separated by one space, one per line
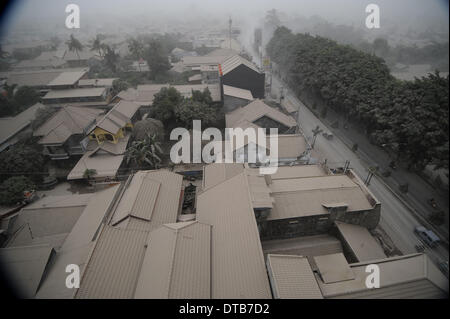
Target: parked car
427 236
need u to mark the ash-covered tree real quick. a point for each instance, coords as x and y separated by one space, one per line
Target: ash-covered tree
26 96
12 190
24 160
157 58
119 85
191 109
164 104
148 126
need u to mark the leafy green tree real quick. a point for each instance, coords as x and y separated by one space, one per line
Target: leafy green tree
190 110
164 104
12 190
89 173
22 160
145 154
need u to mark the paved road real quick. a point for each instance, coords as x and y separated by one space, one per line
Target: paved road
396 219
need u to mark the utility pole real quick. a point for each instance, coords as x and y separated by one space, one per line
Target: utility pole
229 30
316 132
281 94
372 171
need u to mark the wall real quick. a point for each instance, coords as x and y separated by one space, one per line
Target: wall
246 78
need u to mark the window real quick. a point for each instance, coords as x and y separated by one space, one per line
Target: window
109 137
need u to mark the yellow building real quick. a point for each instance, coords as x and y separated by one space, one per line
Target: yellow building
115 123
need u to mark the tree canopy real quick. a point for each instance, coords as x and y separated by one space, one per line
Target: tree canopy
410 117
22 160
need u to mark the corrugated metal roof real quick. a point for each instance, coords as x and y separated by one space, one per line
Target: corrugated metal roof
292 277
334 268
238 268
254 111
360 241
67 78
216 173
25 267
297 171
75 93
77 245
233 62
10 126
67 121
105 164
108 82
177 263
118 116
237 92
151 195
409 276
114 265
309 196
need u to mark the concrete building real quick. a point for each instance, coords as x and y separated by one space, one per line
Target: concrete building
235 97
241 73
404 277
292 203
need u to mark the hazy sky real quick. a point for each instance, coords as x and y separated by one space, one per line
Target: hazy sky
337 11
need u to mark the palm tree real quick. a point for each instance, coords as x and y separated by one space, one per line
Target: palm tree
110 58
145 153
97 45
74 45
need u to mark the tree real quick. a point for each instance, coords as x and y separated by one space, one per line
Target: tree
164 104
74 45
203 97
136 48
89 173
145 154
119 85
146 127
381 47
156 58
111 58
190 110
22 160
97 45
409 116
26 96
12 190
